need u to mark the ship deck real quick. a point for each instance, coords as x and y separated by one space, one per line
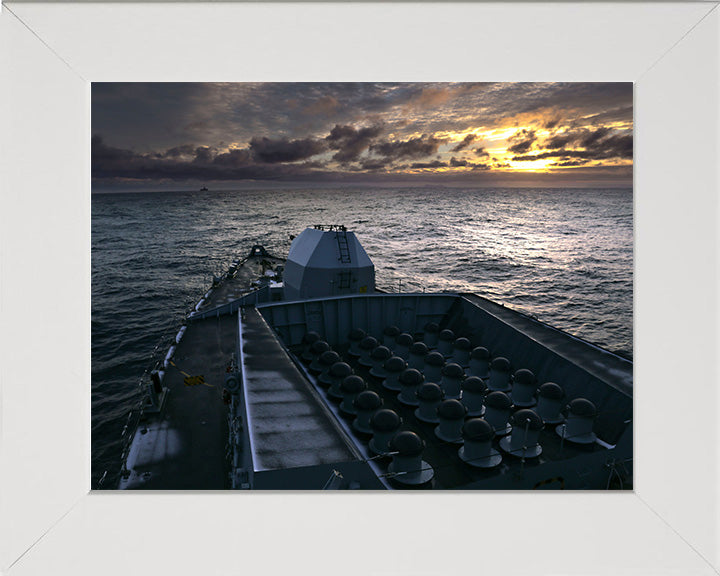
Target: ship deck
183 447
289 425
583 371
236 285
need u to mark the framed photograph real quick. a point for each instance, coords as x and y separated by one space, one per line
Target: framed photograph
53 520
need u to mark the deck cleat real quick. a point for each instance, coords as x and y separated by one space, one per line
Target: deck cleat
350 387
308 340
477 450
416 358
390 333
355 336
578 425
479 364
365 404
498 407
445 342
473 396
523 441
407 466
523 389
451 380
432 366
393 368
409 380
378 357
402 345
325 362
549 403
431 334
429 396
451 414
499 378
337 373
384 424
316 350
367 345
461 352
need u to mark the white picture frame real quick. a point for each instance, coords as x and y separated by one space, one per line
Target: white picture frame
50 523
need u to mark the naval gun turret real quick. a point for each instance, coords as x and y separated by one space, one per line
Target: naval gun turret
327 261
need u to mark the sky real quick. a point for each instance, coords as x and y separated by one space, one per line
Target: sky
179 136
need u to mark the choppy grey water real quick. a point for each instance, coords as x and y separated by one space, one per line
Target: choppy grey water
563 255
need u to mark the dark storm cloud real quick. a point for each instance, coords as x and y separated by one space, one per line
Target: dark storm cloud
165 115
600 143
107 160
151 115
524 139
593 137
235 157
204 154
525 104
414 148
325 105
281 150
550 124
462 163
351 142
620 145
465 143
622 114
433 164
272 130
115 163
571 163
616 146
560 140
184 150
111 162
521 147
373 165
574 97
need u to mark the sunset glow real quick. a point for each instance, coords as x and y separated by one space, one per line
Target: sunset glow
541 134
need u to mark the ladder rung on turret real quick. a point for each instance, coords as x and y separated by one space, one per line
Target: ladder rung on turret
342 241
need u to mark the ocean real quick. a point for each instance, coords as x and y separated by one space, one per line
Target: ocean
562 255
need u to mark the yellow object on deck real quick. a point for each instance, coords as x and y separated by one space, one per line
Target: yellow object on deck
192 380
